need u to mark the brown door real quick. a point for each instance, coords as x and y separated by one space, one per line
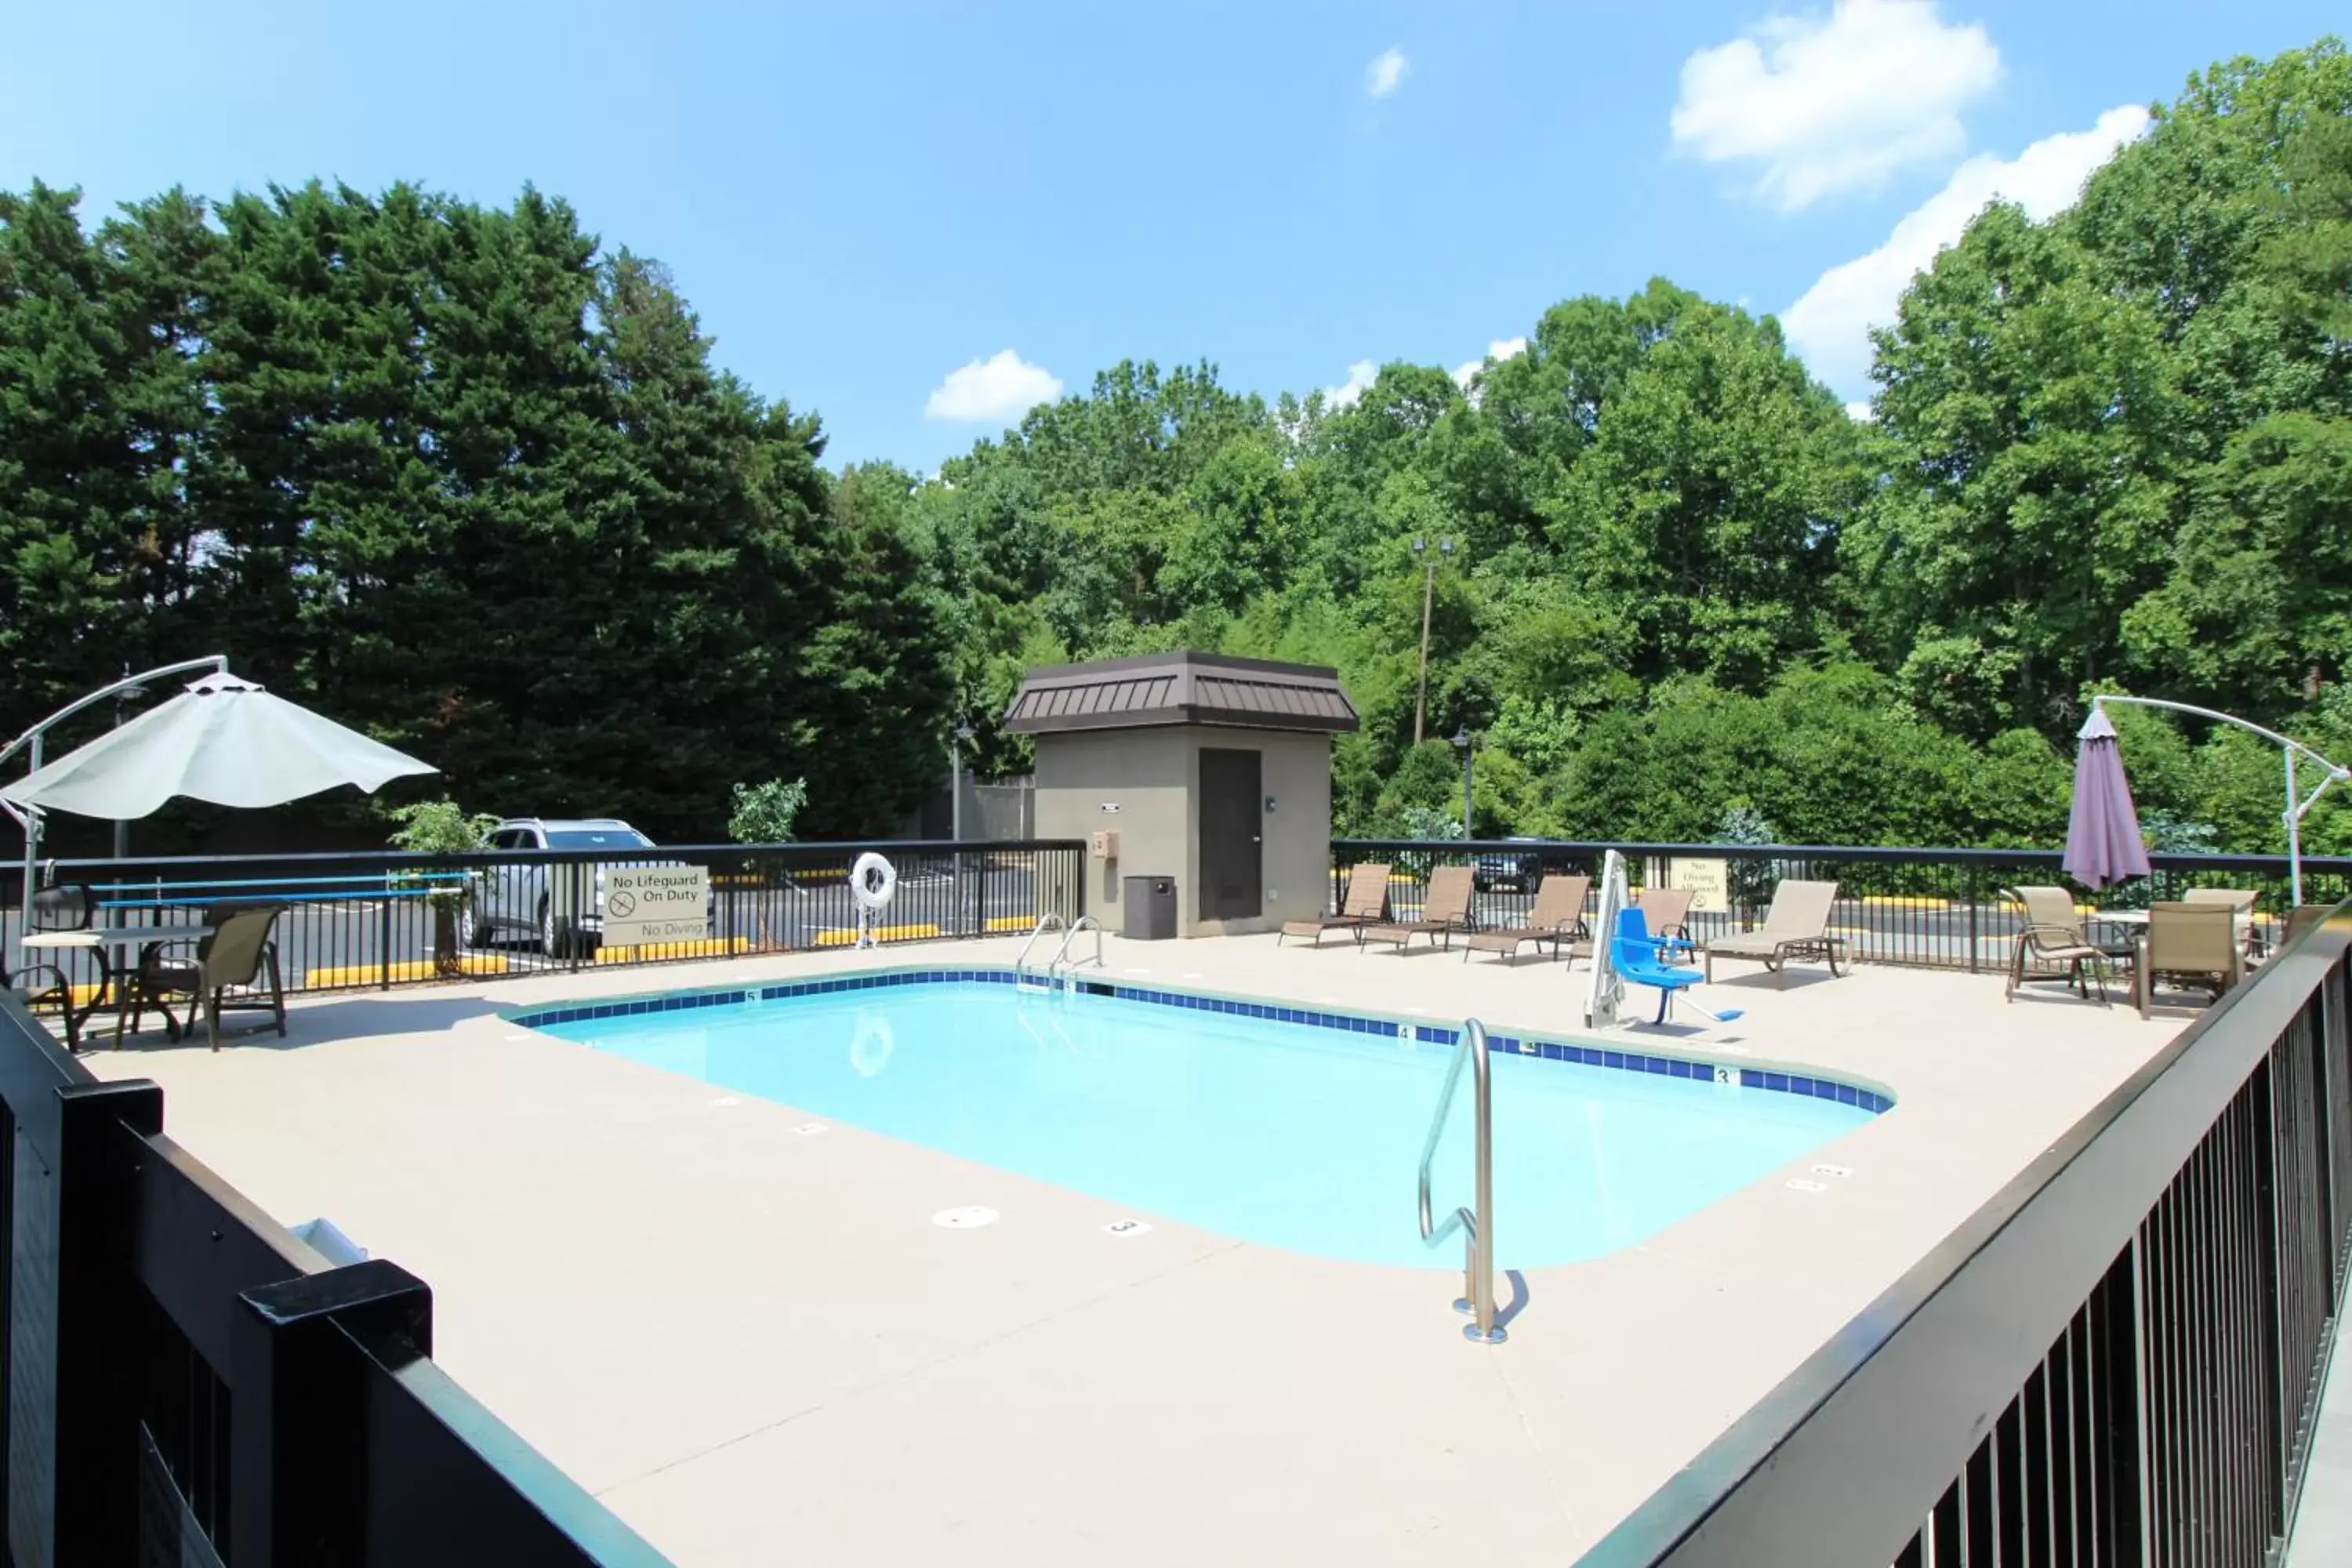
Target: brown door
1232 855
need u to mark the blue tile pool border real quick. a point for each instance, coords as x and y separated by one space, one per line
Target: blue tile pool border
1808 1085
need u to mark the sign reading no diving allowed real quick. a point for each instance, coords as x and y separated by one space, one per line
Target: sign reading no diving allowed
656 903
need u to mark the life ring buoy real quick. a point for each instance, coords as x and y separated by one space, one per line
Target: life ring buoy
872 881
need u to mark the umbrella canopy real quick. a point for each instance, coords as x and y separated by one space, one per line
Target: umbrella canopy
223 739
2103 841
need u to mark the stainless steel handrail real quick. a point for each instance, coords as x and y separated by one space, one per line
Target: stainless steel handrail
1477 1227
1085 922
1050 921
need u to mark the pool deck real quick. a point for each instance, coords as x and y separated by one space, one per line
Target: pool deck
754 1345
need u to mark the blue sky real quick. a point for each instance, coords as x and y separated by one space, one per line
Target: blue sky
861 199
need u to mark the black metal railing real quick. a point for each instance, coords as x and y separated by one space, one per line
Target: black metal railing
1935 908
187 1382
2116 1361
384 919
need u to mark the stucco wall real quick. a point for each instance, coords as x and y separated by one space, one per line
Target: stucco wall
1147 775
1152 775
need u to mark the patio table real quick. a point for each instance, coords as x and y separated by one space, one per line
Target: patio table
102 942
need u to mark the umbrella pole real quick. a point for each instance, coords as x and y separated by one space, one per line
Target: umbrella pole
2294 832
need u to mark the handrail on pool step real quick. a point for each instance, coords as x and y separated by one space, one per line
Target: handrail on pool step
1050 921
1084 922
1477 1228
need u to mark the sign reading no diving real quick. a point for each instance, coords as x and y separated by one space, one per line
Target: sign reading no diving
656 903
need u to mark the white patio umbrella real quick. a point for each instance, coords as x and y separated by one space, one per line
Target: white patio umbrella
223 739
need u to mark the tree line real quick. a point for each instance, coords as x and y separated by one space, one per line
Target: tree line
455 477
460 478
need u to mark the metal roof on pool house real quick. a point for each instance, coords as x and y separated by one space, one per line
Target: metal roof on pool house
1180 689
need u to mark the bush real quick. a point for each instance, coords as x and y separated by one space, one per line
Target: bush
764 813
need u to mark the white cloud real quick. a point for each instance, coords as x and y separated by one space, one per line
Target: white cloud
1386 73
1861 413
1004 387
1838 103
1361 376
1498 351
1830 324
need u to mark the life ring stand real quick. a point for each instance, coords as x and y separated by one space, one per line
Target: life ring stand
873 881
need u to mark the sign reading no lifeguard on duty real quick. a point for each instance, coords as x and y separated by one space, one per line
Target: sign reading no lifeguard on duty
656 903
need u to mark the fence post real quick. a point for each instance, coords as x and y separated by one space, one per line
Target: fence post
383 938
299 1428
1975 891
99 1331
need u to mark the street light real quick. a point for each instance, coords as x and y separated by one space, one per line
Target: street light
963 734
1462 744
1428 594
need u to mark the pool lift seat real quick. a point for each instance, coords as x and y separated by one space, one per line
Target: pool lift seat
1640 958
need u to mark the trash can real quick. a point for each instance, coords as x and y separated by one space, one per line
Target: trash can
1150 914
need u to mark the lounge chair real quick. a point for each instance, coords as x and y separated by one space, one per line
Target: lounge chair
1796 926
2188 942
1366 901
224 975
1666 911
1445 910
2054 944
1558 918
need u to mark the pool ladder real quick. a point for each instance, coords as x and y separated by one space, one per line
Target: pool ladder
1050 921
1085 922
1477 1227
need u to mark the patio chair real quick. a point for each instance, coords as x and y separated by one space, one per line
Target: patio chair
39 986
1366 901
1666 912
224 975
2240 902
1558 918
1445 910
66 907
2054 944
2186 941
1797 925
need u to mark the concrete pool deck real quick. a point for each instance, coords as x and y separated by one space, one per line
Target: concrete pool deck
753 1345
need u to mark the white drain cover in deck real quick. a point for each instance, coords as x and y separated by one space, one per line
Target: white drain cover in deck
971 1217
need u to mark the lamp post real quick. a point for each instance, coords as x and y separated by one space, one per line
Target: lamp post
955 781
1461 743
1428 596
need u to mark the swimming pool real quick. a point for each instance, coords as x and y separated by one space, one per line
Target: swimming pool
1290 1126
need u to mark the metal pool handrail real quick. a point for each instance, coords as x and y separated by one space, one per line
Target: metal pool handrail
1084 922
1050 921
1477 1227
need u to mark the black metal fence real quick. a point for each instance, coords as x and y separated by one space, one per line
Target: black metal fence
188 1383
2116 1361
379 920
1937 907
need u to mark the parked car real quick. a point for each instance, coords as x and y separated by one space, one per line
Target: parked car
1518 870
562 903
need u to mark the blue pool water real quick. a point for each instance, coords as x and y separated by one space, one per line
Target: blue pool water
1281 1133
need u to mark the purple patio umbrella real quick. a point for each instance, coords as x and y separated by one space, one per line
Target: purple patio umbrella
2103 841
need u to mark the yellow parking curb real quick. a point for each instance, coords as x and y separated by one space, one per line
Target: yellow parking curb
408 970
838 938
701 947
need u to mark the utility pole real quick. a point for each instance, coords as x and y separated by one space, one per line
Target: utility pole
1428 596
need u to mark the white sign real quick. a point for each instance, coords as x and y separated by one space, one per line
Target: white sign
656 903
1706 880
